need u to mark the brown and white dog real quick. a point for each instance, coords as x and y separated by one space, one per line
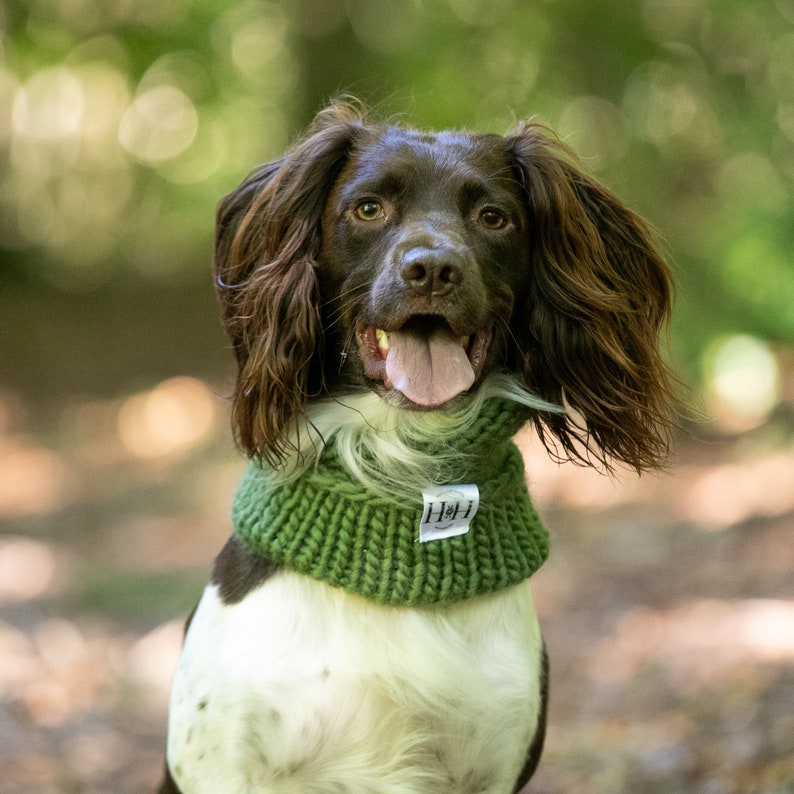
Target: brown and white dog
379 276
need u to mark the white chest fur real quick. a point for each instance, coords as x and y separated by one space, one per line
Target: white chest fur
300 688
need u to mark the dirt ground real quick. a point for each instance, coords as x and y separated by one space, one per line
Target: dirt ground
667 603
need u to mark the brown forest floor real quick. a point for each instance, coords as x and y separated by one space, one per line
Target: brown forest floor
667 603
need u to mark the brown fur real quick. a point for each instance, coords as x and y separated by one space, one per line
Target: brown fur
600 296
585 334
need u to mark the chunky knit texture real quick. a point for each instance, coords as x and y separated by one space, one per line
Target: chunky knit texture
326 525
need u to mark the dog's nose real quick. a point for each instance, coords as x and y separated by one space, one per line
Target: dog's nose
430 271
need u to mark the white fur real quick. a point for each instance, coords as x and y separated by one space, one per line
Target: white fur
303 689
379 443
300 688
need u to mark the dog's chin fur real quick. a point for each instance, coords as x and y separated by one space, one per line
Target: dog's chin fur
391 451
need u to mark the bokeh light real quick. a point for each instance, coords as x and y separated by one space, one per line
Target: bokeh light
33 479
170 419
159 125
27 569
742 382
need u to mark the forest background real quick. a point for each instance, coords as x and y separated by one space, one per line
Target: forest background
668 603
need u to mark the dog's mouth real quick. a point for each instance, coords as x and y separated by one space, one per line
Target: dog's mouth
426 360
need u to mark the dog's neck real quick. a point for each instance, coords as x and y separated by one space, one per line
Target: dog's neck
327 525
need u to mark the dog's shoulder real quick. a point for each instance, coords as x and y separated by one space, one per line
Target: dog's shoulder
238 570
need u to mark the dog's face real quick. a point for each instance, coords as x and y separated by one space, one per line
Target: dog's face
377 257
423 237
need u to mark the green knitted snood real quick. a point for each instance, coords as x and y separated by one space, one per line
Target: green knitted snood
327 525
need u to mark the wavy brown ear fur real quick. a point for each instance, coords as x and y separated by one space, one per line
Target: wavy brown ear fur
599 296
267 238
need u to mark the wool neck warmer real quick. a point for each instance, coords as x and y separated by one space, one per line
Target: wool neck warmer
327 525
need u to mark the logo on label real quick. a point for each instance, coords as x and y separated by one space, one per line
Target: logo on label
448 511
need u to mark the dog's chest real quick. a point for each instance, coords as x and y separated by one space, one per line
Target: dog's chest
302 688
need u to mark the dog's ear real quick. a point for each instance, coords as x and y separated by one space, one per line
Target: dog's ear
599 296
268 234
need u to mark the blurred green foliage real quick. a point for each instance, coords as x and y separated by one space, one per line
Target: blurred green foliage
121 123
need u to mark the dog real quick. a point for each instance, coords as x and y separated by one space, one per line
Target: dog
400 303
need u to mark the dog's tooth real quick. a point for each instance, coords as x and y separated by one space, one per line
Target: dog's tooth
464 341
383 340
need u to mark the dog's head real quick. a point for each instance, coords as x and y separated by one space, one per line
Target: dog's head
378 257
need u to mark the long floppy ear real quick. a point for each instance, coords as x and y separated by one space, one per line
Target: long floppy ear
268 234
600 293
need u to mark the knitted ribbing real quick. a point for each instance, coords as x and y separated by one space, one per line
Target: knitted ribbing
326 525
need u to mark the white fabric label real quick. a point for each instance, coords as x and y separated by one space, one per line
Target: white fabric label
448 511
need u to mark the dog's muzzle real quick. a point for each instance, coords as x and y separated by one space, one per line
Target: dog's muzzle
425 359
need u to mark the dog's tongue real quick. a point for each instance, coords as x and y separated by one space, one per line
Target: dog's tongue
428 369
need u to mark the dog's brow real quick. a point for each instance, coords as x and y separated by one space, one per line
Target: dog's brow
386 184
474 190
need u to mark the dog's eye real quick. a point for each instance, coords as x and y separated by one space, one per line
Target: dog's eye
370 211
492 219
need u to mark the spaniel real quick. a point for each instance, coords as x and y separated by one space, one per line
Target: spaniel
400 303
